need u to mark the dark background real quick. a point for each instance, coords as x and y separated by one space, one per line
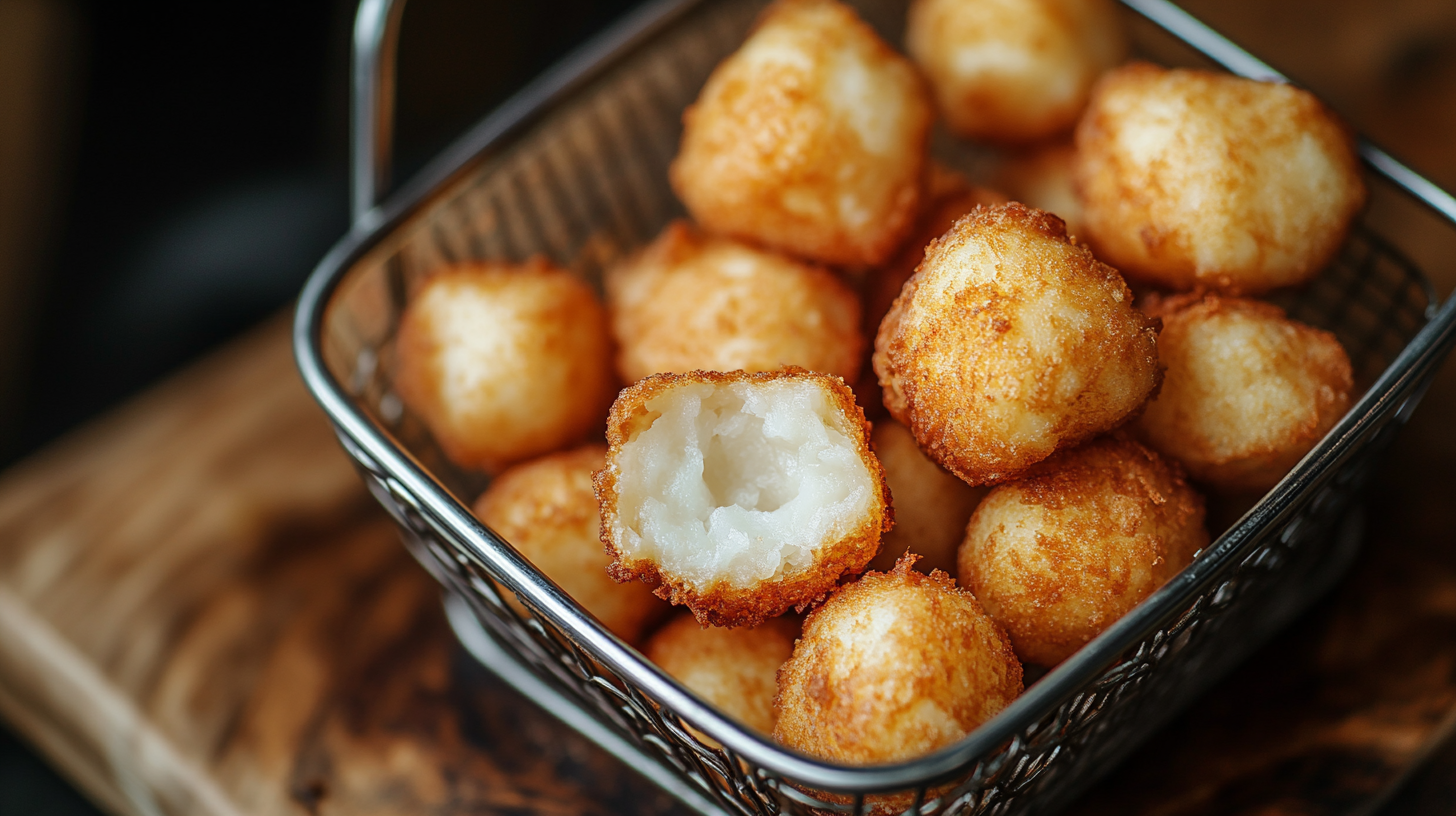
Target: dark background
203 171
195 171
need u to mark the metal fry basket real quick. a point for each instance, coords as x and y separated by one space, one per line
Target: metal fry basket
575 168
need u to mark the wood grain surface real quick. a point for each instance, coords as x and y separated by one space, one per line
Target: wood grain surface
202 612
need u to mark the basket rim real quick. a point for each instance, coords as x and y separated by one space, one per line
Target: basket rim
412 483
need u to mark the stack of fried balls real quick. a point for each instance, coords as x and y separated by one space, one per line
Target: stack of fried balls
1060 360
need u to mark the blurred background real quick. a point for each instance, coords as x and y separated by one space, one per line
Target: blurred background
171 171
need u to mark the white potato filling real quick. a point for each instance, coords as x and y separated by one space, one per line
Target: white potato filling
739 482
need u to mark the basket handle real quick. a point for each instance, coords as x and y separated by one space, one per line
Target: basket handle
371 118
376 41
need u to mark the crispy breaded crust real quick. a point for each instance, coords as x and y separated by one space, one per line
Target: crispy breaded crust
949 195
1009 343
546 509
893 666
691 301
1194 178
1239 412
733 669
722 604
811 138
1065 550
504 362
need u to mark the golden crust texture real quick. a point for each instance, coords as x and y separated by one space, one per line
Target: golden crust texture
948 197
1192 178
931 506
1009 343
811 139
892 667
505 362
690 302
1066 550
850 541
1013 71
733 669
546 509
1247 391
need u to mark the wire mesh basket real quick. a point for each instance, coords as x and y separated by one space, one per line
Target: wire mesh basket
575 168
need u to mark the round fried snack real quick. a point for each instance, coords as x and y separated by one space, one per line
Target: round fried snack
695 302
810 139
1013 71
948 197
1192 178
1042 178
734 669
505 362
546 509
931 506
1247 391
1061 553
891 667
740 495
1011 342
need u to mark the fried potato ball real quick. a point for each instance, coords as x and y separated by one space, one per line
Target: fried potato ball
931 506
948 197
891 667
1013 71
810 139
1061 553
733 669
1011 342
1192 178
546 509
741 495
1042 178
695 302
1247 391
505 362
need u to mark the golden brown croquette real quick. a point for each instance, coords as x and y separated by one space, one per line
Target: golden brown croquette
1009 343
891 667
1193 178
740 495
505 362
691 301
1062 552
1247 391
810 139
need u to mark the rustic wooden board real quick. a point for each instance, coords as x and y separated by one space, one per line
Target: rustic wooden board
202 612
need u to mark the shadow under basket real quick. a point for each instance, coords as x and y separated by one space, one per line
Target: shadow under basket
575 169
